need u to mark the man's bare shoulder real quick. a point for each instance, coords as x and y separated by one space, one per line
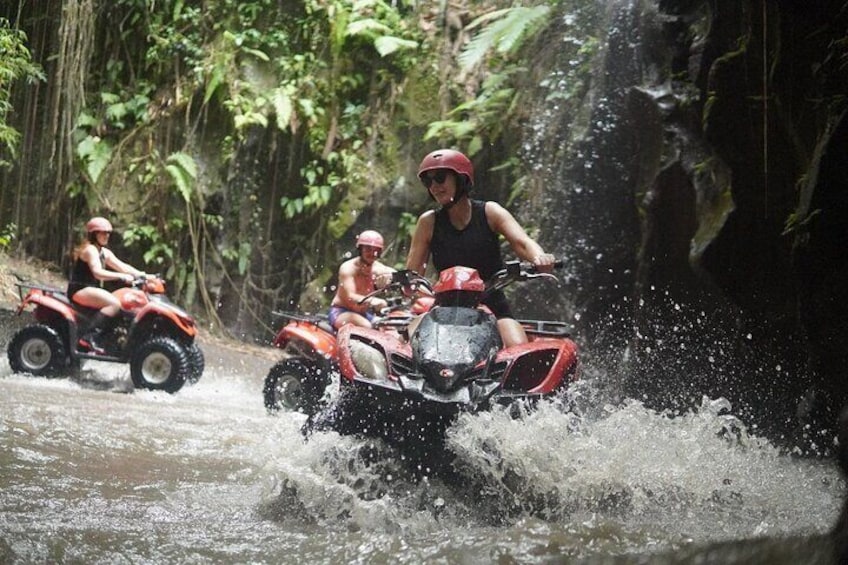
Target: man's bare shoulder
348 267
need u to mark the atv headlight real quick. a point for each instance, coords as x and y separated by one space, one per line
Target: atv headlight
369 361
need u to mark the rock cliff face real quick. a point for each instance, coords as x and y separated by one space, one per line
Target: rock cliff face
704 207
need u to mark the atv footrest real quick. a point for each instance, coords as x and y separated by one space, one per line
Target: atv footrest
96 357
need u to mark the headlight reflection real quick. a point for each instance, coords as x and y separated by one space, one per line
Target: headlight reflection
369 361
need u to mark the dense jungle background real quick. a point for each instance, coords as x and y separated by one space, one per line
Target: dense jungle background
684 157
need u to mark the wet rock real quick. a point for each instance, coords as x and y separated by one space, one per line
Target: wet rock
840 529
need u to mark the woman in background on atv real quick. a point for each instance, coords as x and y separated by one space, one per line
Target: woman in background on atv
467 232
356 279
93 264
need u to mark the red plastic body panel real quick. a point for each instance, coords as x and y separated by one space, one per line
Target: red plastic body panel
321 341
131 299
40 299
156 309
562 371
459 278
564 365
385 340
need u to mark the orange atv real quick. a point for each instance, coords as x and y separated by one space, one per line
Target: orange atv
153 335
300 379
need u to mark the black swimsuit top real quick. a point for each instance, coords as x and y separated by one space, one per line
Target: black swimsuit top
475 246
82 277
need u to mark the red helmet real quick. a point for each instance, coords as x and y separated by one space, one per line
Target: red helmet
448 159
98 224
370 237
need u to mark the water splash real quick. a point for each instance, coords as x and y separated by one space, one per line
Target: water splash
658 477
701 471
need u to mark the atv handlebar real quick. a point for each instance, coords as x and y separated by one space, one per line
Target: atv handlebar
409 282
150 283
518 271
405 281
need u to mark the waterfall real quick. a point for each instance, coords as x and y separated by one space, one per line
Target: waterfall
634 195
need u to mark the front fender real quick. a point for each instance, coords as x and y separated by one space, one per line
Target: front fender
539 367
182 322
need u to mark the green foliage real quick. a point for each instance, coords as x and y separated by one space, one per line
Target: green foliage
183 170
179 70
325 90
95 130
95 153
239 255
157 250
406 225
15 64
480 116
501 34
504 32
7 235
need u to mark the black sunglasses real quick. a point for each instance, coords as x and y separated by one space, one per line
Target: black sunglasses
438 176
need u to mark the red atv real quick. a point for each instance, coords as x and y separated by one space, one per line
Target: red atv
156 337
408 391
300 379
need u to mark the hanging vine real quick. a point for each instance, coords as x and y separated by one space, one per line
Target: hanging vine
76 41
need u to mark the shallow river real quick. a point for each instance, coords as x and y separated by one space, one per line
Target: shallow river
91 472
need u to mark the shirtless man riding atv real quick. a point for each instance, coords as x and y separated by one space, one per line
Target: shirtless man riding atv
356 279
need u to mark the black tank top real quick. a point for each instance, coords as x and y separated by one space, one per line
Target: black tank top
82 277
475 246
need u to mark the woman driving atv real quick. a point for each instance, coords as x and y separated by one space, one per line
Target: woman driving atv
94 263
467 232
356 279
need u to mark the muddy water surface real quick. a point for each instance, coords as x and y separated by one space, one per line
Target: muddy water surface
92 471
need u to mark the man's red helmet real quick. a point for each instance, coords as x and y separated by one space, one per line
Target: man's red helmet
448 159
370 237
98 224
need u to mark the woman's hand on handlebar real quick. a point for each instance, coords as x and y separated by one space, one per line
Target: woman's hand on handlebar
544 263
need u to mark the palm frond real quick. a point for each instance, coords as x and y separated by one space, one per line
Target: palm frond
505 33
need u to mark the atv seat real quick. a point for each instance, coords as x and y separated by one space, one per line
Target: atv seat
320 320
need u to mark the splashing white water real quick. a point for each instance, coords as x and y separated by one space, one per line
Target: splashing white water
701 471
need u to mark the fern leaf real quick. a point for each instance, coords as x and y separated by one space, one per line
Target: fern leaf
183 170
505 32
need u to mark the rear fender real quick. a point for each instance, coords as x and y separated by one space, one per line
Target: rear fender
316 339
40 300
539 367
